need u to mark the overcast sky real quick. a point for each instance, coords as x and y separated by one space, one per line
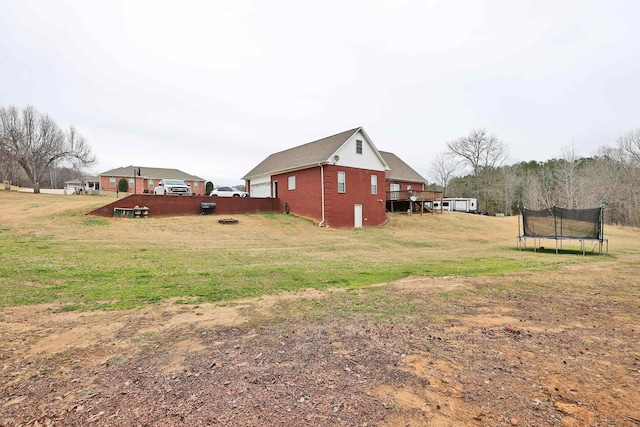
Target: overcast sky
213 87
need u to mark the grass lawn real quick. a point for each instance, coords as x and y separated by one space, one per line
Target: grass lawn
52 252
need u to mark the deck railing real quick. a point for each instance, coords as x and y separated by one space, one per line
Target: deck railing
421 195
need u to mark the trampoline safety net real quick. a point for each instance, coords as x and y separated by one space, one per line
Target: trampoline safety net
563 223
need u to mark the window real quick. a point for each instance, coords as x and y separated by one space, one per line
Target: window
374 184
112 181
408 188
150 183
342 182
291 182
195 185
358 146
131 182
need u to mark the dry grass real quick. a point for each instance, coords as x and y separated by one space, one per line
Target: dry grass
434 348
90 262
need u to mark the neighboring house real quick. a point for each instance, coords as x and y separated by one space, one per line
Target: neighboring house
337 181
148 178
84 183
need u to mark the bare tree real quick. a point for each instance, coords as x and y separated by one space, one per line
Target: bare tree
629 143
35 142
443 169
532 191
567 177
510 184
479 150
482 152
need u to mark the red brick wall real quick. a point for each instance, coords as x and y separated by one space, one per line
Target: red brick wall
339 207
189 205
306 199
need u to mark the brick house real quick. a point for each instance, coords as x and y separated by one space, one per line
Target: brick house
148 178
84 183
338 180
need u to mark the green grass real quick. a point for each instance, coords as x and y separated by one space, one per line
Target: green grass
42 270
81 270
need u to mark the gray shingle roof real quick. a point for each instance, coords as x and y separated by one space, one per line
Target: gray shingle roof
152 173
83 178
301 156
400 171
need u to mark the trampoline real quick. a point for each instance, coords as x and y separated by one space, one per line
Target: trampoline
559 224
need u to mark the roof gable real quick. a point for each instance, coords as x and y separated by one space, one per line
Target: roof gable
310 154
400 171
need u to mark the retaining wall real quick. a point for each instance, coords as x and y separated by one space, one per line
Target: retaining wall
190 205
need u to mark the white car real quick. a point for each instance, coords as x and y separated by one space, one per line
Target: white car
228 192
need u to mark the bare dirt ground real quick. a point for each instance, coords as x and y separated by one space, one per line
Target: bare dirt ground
483 358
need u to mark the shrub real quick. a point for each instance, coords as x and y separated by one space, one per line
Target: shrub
123 185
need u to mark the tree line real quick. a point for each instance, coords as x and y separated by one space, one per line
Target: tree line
33 147
475 166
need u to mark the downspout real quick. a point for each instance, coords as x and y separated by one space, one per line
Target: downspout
322 192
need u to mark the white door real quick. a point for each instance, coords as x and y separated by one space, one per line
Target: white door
394 191
357 216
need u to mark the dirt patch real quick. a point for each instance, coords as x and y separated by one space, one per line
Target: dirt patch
473 357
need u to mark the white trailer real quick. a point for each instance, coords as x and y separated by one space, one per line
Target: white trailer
458 204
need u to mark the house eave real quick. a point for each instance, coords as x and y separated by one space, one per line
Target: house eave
392 179
281 171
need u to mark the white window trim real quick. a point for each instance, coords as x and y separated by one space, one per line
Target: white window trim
291 182
344 181
374 184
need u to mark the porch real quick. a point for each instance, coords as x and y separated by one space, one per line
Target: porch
413 200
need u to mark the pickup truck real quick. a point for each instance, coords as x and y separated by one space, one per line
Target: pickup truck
172 187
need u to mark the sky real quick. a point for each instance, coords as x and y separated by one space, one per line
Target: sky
213 87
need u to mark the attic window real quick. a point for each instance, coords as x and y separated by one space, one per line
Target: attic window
358 146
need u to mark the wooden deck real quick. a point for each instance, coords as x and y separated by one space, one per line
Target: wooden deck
401 201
